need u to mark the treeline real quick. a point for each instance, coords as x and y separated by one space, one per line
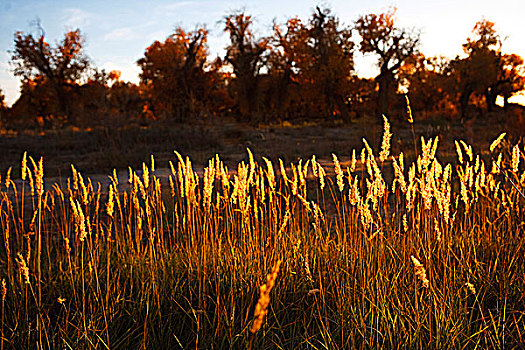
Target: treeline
303 70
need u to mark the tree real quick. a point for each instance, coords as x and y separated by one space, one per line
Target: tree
331 63
125 99
91 99
3 107
511 78
427 82
486 71
2 100
35 106
246 56
317 58
484 37
284 53
178 73
393 45
479 70
60 66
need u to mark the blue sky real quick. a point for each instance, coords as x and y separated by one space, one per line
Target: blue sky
117 32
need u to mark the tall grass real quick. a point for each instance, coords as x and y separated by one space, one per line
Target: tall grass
381 254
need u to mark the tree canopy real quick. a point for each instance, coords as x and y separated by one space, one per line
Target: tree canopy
486 71
60 66
380 36
304 68
176 71
246 55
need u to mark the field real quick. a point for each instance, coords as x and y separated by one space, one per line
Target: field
366 248
99 151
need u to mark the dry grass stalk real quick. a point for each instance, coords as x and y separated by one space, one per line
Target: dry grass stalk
437 229
471 288
80 222
24 166
354 161
420 271
8 178
458 150
270 174
261 309
111 201
39 177
4 293
283 171
24 270
338 173
4 290
409 110
322 174
368 149
353 195
497 141
515 158
313 291
468 150
399 176
385 145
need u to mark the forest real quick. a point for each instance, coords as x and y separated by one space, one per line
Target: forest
303 70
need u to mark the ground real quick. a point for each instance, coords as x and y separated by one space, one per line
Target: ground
99 151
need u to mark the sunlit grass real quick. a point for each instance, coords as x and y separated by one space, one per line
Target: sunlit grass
383 254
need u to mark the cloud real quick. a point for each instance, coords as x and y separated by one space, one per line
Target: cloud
125 33
130 32
177 5
74 17
186 10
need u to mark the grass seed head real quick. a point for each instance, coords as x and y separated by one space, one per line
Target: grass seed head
420 271
497 141
460 153
24 270
471 288
24 166
338 173
261 309
4 290
515 158
354 161
385 145
409 110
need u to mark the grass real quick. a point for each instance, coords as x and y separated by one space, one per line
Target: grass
382 254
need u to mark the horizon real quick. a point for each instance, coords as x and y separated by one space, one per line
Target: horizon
129 30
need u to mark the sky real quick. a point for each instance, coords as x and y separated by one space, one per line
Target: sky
118 31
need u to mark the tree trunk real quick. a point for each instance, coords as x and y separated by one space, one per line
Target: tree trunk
386 82
63 104
463 102
247 97
343 108
490 99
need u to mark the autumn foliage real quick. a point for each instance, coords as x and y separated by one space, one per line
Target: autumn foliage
304 69
178 77
393 45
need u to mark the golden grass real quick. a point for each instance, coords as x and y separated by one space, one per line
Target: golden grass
413 253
